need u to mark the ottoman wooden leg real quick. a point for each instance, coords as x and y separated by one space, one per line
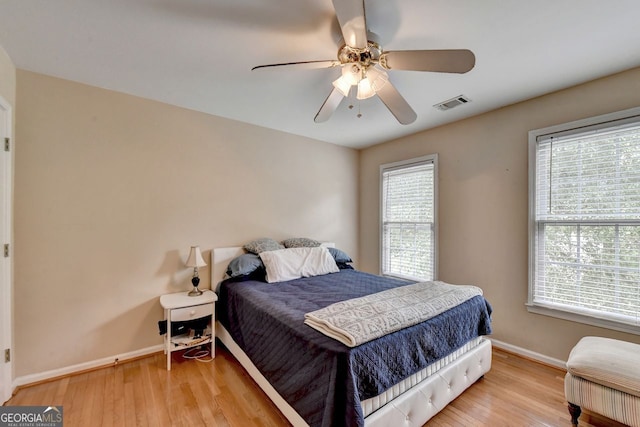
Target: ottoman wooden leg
575 411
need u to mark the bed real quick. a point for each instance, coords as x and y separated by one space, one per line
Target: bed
316 380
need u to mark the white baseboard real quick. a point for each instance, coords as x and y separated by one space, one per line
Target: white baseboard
530 354
105 361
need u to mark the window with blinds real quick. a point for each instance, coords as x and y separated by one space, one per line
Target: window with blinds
586 221
408 198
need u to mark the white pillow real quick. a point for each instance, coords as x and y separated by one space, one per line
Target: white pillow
293 263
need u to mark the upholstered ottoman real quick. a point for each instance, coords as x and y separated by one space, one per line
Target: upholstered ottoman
603 376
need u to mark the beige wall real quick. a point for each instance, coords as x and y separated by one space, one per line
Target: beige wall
483 203
111 190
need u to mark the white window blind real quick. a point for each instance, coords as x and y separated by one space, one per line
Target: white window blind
408 219
587 221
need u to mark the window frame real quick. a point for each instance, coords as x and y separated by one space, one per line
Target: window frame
416 161
593 123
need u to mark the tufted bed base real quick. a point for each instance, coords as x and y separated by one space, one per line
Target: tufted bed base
418 404
408 405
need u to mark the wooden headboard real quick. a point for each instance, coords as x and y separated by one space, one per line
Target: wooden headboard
221 257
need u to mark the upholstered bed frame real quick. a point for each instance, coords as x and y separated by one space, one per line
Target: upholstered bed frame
411 403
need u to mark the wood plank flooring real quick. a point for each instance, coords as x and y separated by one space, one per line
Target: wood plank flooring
516 392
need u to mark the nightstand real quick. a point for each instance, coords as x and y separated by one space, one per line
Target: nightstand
180 307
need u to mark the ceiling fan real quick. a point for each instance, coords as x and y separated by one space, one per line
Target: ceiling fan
364 65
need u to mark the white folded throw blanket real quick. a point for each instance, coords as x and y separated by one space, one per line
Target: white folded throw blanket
356 321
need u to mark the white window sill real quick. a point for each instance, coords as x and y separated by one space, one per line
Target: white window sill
580 318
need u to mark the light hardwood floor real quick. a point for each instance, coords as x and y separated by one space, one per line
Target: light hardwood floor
516 392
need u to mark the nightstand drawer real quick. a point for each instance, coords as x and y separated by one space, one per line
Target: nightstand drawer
189 313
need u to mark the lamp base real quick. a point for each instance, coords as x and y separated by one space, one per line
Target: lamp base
195 292
195 281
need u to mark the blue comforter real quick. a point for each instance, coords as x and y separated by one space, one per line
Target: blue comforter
321 378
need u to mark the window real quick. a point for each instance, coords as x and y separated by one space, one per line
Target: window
585 221
408 205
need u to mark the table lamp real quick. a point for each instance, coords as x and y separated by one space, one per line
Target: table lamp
195 260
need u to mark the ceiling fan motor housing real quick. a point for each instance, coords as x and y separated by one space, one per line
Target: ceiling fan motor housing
364 57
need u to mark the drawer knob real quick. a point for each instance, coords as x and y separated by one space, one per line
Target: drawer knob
192 312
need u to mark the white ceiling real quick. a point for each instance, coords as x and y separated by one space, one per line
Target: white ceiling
198 54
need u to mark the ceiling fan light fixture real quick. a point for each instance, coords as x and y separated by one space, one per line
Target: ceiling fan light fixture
352 73
377 77
365 89
373 81
342 85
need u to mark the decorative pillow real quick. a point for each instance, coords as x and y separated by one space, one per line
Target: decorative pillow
300 242
244 264
339 255
261 245
293 263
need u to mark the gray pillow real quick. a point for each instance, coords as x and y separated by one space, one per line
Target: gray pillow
339 255
243 265
300 242
261 245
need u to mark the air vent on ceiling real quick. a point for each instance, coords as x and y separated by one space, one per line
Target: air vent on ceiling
453 102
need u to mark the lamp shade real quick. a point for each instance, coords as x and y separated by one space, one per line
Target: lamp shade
195 258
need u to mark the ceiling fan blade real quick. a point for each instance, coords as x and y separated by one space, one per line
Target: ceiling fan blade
441 61
329 106
351 18
396 104
303 65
